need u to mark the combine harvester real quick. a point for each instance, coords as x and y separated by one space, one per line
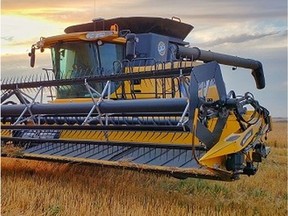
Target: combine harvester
130 92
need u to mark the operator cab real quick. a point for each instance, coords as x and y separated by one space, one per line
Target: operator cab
83 54
100 49
84 59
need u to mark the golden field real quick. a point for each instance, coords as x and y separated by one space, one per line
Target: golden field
45 188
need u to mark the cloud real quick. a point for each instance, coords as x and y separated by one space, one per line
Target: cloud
17 65
32 4
66 12
220 10
238 38
199 13
284 33
7 38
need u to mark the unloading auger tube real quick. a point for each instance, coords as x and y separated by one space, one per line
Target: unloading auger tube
146 115
198 54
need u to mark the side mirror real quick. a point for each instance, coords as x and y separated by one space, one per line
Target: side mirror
32 56
131 46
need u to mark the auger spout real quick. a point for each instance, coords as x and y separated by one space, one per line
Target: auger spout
197 54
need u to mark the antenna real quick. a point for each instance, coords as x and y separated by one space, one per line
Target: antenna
94 8
98 19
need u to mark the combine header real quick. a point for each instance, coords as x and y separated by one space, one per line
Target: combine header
129 92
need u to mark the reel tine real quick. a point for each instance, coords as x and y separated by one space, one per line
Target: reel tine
14 80
4 80
44 77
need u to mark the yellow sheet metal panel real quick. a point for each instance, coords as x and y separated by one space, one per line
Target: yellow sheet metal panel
132 136
233 143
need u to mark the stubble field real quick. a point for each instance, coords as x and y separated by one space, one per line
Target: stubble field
45 188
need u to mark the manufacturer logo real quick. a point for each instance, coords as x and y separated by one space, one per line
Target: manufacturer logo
161 48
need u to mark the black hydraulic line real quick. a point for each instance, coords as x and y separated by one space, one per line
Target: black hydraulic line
114 77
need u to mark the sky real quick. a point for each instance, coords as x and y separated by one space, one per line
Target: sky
255 29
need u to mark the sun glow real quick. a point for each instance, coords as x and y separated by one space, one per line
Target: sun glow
19 32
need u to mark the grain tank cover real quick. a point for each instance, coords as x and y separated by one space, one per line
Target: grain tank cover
138 25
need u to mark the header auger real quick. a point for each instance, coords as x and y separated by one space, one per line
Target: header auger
129 92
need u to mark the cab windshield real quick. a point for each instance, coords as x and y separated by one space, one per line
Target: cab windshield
81 59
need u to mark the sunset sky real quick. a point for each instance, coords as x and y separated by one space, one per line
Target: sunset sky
248 28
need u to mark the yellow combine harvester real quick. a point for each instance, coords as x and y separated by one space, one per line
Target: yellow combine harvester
130 92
